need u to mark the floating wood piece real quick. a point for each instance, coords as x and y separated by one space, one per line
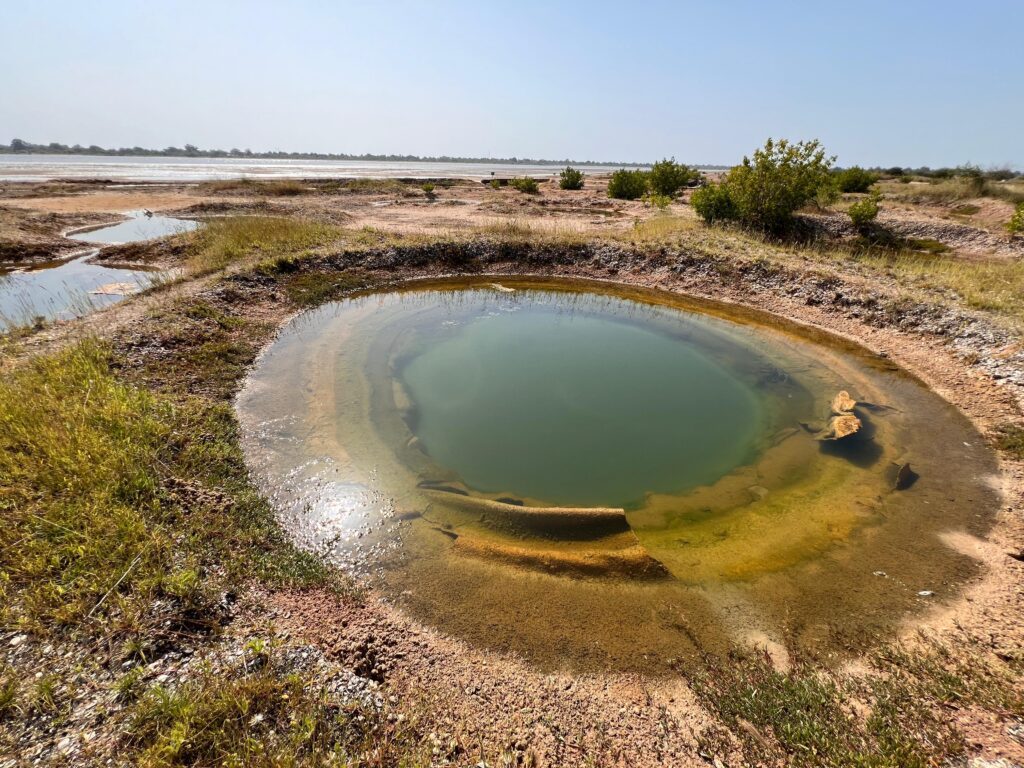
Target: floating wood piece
843 422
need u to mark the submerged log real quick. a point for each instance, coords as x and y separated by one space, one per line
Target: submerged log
565 520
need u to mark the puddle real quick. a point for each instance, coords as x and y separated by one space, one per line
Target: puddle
69 288
136 229
610 478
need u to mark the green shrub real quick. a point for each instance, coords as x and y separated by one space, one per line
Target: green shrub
570 178
495 184
781 178
667 177
661 202
855 179
865 211
1016 225
428 188
525 184
712 203
627 185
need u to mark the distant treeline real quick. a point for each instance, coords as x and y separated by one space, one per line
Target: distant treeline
21 147
970 171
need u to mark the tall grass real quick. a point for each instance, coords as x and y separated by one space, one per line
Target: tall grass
115 499
957 189
223 242
995 285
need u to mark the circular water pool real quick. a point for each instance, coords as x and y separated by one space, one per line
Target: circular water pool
610 478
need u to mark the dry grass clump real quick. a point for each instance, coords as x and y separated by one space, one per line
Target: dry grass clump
659 228
519 231
804 717
223 242
378 187
955 190
263 712
283 188
996 285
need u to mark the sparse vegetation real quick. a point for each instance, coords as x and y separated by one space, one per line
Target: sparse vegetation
667 177
570 178
803 717
428 189
525 184
627 185
263 713
1010 438
284 188
1016 223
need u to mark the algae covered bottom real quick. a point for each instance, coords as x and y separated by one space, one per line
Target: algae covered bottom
600 477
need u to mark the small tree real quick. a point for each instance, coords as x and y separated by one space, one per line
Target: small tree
627 185
570 178
855 179
779 179
864 212
712 203
526 184
1016 225
667 177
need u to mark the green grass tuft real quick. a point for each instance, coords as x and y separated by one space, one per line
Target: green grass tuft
261 713
223 242
1010 438
116 499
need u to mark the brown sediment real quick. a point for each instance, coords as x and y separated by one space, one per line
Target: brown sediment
615 556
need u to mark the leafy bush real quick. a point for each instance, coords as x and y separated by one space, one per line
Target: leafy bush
713 203
661 202
525 184
1016 225
780 178
865 211
428 188
627 185
495 184
855 179
667 177
570 178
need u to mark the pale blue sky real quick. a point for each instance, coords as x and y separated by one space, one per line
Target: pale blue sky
881 83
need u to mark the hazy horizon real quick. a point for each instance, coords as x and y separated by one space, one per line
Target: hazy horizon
910 84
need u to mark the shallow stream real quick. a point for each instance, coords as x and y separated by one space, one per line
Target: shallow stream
71 287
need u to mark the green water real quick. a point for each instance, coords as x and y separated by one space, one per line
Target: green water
415 438
578 409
